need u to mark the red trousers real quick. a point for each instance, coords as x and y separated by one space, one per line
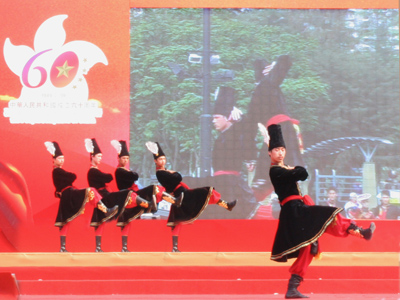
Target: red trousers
214 198
94 198
338 228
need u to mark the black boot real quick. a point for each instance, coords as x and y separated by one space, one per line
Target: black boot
62 242
175 244
174 201
98 244
125 243
228 205
292 292
360 232
110 212
142 202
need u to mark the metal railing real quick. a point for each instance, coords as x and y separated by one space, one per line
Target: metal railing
344 186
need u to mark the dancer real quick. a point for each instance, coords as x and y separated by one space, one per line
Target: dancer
123 175
72 200
97 179
187 204
234 148
301 223
146 198
268 101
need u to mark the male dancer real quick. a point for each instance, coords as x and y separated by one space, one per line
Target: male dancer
234 148
190 203
146 198
72 200
301 223
95 177
124 199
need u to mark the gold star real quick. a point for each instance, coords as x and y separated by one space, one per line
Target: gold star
64 70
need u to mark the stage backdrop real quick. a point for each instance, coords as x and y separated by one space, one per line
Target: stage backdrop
64 76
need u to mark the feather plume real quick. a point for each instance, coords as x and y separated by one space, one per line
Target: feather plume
89 145
117 146
152 147
262 129
264 133
50 147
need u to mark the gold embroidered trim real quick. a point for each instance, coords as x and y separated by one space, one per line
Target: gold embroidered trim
197 216
80 211
310 241
121 224
356 233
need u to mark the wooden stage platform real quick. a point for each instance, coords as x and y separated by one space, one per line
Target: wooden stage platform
148 275
227 258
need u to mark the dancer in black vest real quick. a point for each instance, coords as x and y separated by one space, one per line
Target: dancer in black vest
301 223
146 198
98 180
187 204
72 200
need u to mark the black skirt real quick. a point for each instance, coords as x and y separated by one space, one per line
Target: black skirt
120 198
299 226
126 215
193 204
72 204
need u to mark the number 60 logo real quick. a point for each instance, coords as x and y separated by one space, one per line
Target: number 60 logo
62 72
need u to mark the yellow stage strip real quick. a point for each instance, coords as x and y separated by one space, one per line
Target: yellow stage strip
166 259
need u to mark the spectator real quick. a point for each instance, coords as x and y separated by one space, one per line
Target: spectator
352 207
366 213
332 200
385 210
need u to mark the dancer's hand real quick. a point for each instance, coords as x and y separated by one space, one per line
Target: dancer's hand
268 69
236 114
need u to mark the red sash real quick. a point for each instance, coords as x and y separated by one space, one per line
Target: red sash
59 194
181 184
306 199
134 187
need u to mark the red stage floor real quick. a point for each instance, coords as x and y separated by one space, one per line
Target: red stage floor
196 275
213 297
350 269
239 273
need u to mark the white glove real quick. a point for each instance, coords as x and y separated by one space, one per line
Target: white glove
236 114
268 68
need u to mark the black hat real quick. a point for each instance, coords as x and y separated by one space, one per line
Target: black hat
121 147
160 152
54 149
225 101
275 137
92 147
124 149
155 148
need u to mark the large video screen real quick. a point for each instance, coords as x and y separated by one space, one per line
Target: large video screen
205 83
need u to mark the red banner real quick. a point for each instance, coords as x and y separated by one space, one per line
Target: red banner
64 77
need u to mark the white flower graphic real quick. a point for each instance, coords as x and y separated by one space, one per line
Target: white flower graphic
54 89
